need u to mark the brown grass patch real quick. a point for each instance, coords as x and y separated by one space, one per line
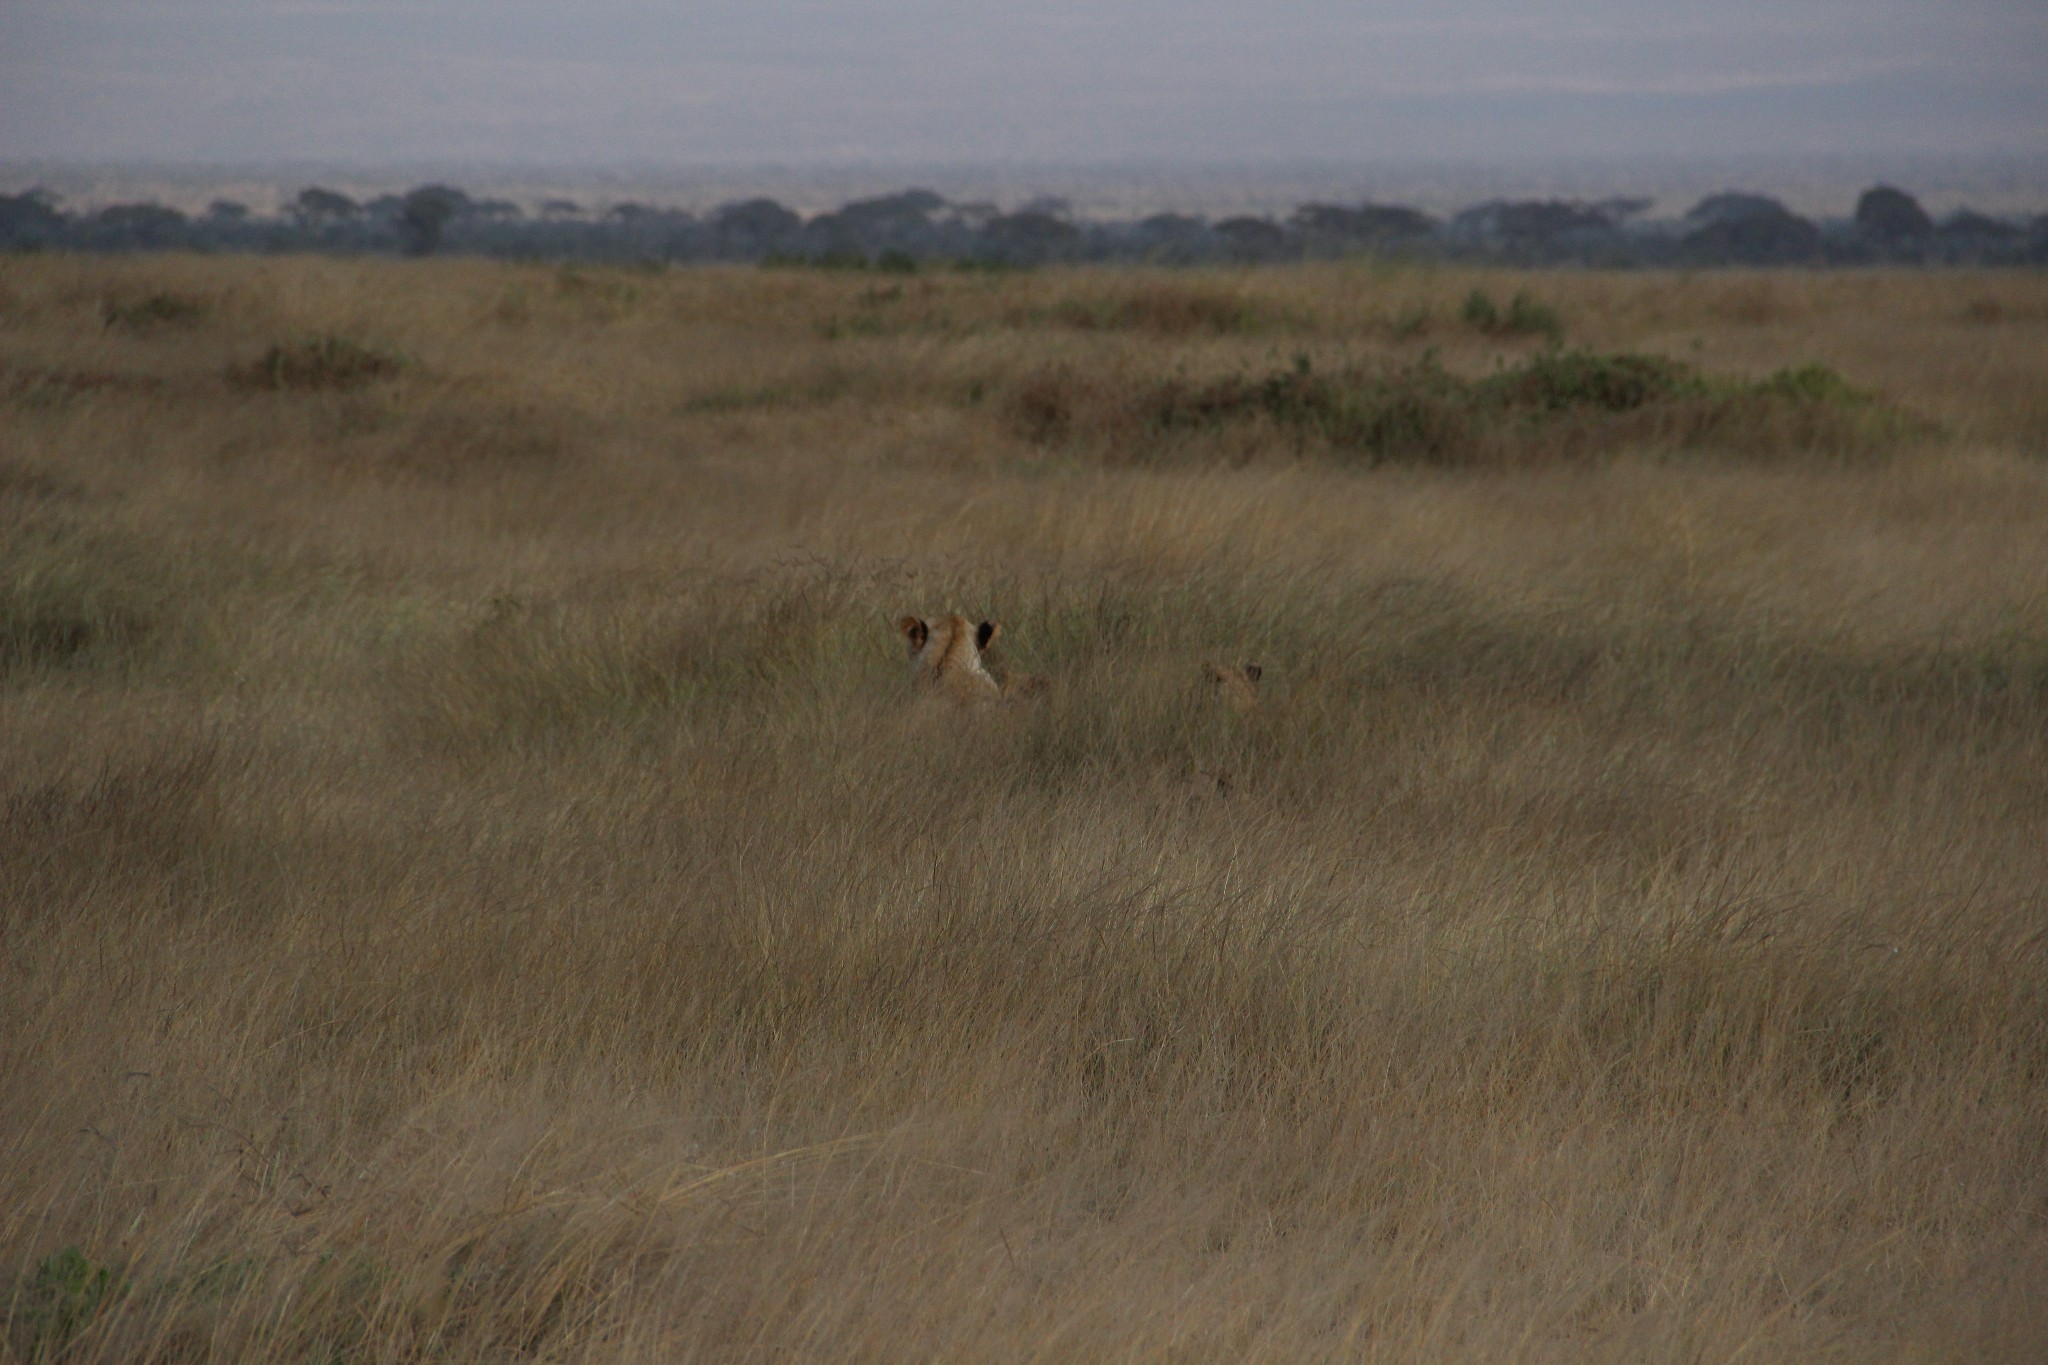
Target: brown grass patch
157 310
1166 311
38 386
475 883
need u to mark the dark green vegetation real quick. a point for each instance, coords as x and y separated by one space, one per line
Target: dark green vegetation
321 362
1561 405
1525 316
917 228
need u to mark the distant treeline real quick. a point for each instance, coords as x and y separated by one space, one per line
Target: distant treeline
917 226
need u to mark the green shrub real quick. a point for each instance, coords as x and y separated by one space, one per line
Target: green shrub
58 1302
1615 382
322 362
1479 312
1814 384
1418 410
1525 316
1557 405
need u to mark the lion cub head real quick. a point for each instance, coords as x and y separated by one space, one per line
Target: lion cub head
945 656
1237 685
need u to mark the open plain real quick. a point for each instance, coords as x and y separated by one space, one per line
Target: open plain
476 883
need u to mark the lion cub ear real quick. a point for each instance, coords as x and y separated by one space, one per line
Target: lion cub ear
985 634
914 630
1253 672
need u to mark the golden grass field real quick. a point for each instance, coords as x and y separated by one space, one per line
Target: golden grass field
476 883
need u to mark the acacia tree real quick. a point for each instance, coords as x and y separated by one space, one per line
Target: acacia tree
29 217
1892 216
423 214
315 206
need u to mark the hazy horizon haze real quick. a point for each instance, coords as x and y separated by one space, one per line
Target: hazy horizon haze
807 83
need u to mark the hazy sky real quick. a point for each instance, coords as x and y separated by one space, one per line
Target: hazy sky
822 81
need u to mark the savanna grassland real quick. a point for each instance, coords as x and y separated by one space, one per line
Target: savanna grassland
475 884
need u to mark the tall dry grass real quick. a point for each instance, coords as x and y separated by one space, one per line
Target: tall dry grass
473 885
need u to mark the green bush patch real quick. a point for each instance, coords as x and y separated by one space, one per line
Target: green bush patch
316 363
1561 381
1524 316
1559 405
57 1302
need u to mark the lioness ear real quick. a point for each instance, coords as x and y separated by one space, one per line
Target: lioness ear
914 630
1253 672
985 633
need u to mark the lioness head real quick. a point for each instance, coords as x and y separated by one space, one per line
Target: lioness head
1237 684
945 653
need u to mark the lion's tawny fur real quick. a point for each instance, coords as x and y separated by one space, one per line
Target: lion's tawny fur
1237 684
945 656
